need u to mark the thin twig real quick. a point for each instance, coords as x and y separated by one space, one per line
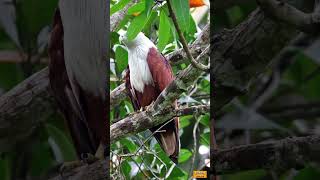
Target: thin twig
195 128
184 42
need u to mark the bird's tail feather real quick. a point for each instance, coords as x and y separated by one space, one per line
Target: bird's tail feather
168 138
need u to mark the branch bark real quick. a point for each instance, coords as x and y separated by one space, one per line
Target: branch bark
200 109
242 54
24 108
306 22
276 155
96 171
10 56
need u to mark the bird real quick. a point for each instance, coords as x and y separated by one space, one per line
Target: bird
147 75
77 74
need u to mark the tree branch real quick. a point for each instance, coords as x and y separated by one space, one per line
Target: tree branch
183 40
276 155
24 108
293 111
9 56
97 171
306 22
200 109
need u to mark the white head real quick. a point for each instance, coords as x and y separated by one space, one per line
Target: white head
139 40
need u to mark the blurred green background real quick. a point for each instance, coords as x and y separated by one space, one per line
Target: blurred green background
299 86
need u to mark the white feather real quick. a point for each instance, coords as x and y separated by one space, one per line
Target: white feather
138 50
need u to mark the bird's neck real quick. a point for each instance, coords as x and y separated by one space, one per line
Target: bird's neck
140 74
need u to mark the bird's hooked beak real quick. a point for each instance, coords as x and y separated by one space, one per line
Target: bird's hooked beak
123 36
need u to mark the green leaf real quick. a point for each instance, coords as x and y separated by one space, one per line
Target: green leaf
148 6
114 38
205 120
121 58
126 168
235 15
184 121
164 31
181 9
41 159
191 30
205 139
123 23
178 174
152 20
137 8
121 4
136 26
129 106
127 142
184 155
65 146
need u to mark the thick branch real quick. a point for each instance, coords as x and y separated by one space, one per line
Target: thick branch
306 22
9 56
96 171
23 108
200 109
276 155
295 111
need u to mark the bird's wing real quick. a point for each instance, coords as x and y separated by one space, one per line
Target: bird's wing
85 47
162 76
63 93
131 92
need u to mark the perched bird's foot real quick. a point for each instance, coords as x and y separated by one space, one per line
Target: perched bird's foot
88 158
148 108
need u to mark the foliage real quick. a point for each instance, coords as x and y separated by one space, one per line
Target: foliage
299 86
139 156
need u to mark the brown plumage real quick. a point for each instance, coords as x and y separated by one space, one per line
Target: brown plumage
85 113
162 76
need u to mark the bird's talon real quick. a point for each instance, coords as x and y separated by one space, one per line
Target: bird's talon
88 158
